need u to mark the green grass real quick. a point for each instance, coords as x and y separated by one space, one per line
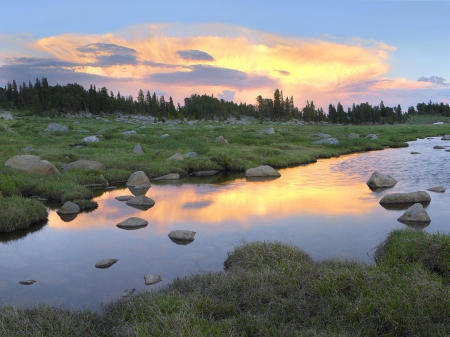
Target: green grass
17 213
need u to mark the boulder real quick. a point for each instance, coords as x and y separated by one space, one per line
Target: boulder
170 176
353 135
403 198
322 135
141 202
27 149
190 155
90 139
85 164
56 127
32 164
438 147
127 293
220 139
205 173
164 136
414 152
269 131
6 115
138 149
415 213
69 207
132 132
103 264
27 282
176 156
125 197
378 180
262 171
182 237
372 136
446 137
132 223
438 123
152 279
439 189
138 180
330 141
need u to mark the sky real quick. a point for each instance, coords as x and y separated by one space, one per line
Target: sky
325 51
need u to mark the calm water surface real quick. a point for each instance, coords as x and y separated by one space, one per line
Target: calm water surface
325 208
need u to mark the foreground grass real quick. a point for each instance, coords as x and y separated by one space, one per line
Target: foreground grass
273 289
18 213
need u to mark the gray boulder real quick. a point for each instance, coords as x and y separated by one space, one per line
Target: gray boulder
262 171
56 127
222 140
330 141
27 282
69 207
438 147
190 155
415 213
164 136
127 293
170 176
103 264
152 279
379 180
90 139
141 202
372 136
125 197
353 135
132 223
322 135
138 180
414 152
132 132
176 156
6 115
85 164
138 149
32 164
269 131
446 137
182 236
439 189
27 149
403 198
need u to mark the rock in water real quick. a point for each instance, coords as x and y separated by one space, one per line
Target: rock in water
132 223
262 171
170 176
182 236
439 189
103 264
404 198
152 279
125 197
379 179
27 282
415 213
85 164
32 164
138 149
414 152
69 208
438 147
138 180
128 293
446 137
141 202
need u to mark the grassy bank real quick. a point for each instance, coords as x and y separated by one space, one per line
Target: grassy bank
18 213
273 289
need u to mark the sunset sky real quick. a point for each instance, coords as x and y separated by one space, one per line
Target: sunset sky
326 51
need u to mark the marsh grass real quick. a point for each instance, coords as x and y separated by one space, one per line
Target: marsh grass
17 213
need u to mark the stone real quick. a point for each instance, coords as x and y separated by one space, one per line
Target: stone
90 139
205 173
127 293
322 135
438 147
170 176
132 132
182 237
125 197
132 223
353 135
164 136
152 279
103 264
32 164
438 123
269 131
56 127
414 152
330 141
379 180
141 202
220 139
138 180
262 171
415 213
85 164
446 137
27 149
402 198
372 136
138 149
27 282
438 189
176 156
6 115
190 155
69 208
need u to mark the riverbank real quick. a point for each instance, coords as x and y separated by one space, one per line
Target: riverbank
274 289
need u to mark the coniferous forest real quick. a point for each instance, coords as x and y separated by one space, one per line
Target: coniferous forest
44 99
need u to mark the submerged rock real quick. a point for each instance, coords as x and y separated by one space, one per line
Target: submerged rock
27 282
125 197
438 147
205 173
415 152
262 171
403 198
439 189
378 180
415 213
132 223
141 202
170 176
138 180
152 279
103 264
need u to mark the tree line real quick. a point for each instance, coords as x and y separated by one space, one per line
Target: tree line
44 99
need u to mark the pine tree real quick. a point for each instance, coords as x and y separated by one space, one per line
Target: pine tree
141 100
341 115
276 105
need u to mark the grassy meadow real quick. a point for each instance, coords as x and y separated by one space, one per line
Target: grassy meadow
267 288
